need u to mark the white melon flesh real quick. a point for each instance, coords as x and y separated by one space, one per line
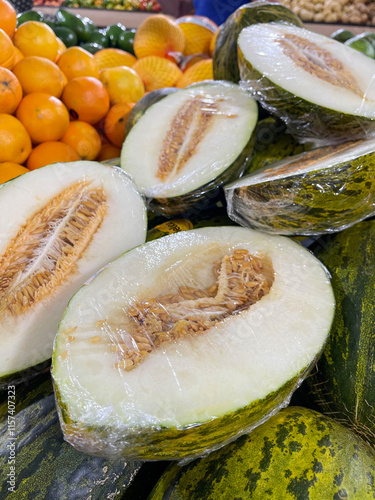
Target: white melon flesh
189 138
197 378
316 68
33 240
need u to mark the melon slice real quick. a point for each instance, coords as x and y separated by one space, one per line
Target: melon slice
188 144
322 89
58 225
186 342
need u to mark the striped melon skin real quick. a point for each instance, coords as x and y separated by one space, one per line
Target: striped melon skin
225 62
317 114
298 454
316 192
46 466
344 384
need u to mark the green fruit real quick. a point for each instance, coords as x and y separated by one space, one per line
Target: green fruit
342 35
361 44
203 139
46 466
98 37
82 26
316 192
144 103
322 101
67 35
297 454
30 15
192 392
113 32
125 41
92 47
64 227
344 383
225 62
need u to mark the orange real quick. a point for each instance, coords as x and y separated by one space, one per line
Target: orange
50 152
157 72
8 18
198 31
158 35
122 84
76 61
9 170
38 74
45 117
84 139
34 38
7 54
17 56
61 47
10 91
15 143
86 99
198 72
110 58
114 123
212 43
108 151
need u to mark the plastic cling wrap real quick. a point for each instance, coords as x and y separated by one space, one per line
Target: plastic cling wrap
186 342
316 192
323 90
198 139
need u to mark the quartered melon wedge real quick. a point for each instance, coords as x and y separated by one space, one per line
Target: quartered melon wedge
58 225
188 144
320 191
186 342
322 89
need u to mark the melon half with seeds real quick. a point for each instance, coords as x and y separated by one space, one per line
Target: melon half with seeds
58 226
187 145
186 342
322 89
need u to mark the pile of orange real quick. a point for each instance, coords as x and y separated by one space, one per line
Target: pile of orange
59 104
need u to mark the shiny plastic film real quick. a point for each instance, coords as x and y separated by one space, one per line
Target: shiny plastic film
187 342
323 90
188 155
316 192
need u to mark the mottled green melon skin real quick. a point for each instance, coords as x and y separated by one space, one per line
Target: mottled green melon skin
19 377
225 64
344 384
46 466
297 454
311 203
161 443
273 143
305 120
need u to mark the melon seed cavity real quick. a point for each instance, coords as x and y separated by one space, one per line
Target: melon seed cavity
44 252
240 280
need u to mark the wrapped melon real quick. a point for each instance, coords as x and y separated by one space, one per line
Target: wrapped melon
186 342
315 192
58 225
187 145
323 90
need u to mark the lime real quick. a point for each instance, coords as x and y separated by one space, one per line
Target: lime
113 32
92 47
125 41
68 36
30 15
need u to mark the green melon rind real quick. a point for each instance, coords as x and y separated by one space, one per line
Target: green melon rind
23 375
225 63
305 120
298 454
311 203
47 466
344 385
184 443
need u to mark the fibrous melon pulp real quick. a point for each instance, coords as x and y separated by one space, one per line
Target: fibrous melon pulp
58 225
186 342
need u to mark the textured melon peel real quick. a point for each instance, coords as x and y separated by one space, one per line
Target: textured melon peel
195 389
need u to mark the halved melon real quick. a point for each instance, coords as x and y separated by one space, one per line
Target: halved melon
188 144
58 225
320 191
186 342
322 89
